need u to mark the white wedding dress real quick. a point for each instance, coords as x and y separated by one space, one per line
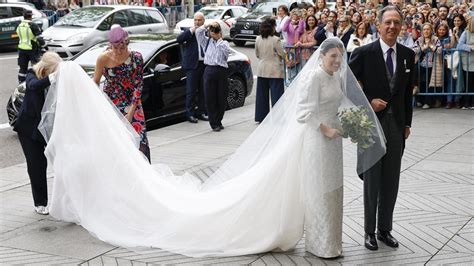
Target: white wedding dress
323 218
255 202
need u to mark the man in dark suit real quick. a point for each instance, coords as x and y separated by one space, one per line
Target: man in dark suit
193 63
385 72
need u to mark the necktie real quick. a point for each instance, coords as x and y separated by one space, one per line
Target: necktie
389 62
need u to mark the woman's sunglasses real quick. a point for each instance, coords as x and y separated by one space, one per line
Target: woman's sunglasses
120 45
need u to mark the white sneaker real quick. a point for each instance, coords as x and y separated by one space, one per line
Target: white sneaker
425 106
464 108
41 210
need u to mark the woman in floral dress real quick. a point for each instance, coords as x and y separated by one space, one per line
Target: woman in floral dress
123 71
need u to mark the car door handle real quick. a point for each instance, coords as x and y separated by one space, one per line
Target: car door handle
149 30
183 78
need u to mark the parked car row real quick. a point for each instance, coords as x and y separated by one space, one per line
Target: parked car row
164 91
89 25
11 14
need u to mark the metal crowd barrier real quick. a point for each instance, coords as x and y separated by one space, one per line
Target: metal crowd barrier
53 16
454 78
295 59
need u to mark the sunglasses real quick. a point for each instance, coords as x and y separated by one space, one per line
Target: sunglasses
121 44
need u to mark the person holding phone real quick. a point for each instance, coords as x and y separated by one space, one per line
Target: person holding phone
359 38
215 73
283 16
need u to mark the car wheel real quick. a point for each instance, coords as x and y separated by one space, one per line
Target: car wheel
237 92
239 43
12 114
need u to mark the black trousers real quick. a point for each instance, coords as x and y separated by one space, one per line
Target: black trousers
195 103
215 93
24 57
36 164
266 87
382 180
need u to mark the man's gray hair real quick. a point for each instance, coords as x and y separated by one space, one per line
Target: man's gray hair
199 14
389 8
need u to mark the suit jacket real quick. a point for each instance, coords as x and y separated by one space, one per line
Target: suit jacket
320 35
270 52
345 38
368 65
190 49
29 115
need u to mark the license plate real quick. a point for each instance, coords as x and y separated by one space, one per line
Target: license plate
4 29
246 31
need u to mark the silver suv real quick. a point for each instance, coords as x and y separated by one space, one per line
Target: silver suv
89 25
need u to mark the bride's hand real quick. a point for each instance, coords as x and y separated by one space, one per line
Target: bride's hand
329 132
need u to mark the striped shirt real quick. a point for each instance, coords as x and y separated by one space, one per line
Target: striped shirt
217 52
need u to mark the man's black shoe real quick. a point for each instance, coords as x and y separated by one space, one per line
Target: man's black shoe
203 117
371 242
216 129
192 119
387 238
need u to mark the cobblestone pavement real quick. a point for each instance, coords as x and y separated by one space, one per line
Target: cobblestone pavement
433 218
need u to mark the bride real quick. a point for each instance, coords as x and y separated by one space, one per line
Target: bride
286 174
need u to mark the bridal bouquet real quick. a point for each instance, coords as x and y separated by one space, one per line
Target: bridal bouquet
357 126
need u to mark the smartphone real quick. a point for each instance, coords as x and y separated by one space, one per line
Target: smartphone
274 11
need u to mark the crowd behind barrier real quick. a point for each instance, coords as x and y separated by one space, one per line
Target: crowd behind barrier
442 37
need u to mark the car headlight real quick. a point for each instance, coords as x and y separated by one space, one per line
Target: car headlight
78 38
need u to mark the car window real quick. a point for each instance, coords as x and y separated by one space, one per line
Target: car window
238 12
228 13
17 11
86 17
211 13
121 18
170 56
4 12
155 16
106 23
138 17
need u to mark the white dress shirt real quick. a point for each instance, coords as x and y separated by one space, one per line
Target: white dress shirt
385 48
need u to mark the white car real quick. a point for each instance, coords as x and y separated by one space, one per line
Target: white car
14 12
225 15
89 25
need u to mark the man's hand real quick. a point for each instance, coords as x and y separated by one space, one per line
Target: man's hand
407 132
378 104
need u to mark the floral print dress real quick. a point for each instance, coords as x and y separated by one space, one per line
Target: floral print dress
124 84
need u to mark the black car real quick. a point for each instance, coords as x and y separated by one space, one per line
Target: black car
247 27
164 89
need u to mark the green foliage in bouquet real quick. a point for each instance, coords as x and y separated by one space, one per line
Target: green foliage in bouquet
357 126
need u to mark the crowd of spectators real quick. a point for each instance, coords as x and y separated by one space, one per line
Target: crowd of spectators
439 33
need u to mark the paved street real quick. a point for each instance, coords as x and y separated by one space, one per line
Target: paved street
433 218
